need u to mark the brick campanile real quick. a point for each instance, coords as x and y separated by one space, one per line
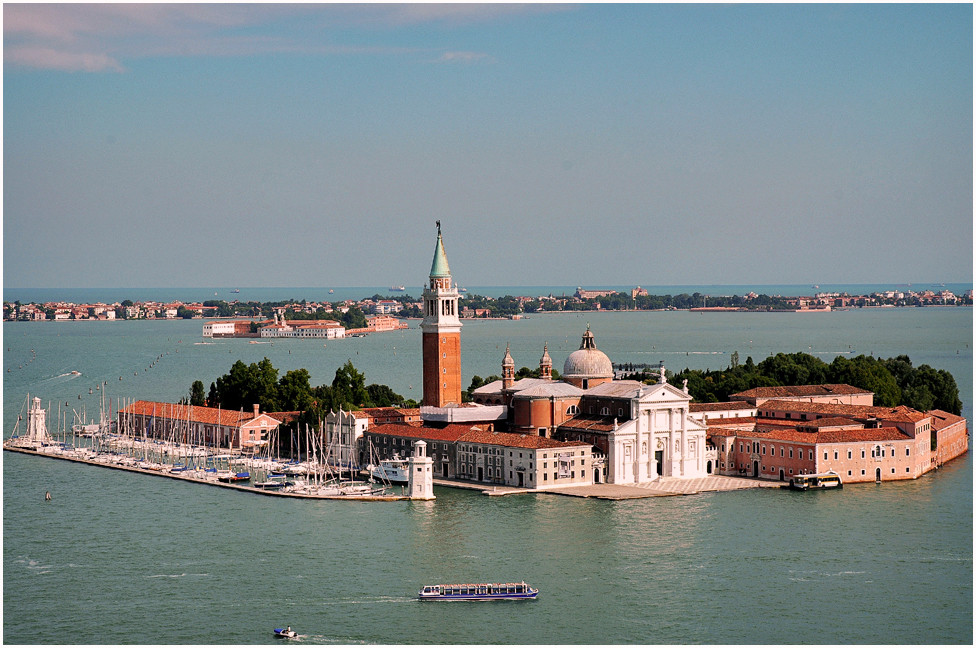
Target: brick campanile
441 334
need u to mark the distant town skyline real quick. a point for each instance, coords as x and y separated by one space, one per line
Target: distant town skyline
294 145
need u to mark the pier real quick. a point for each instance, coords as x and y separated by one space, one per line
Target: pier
206 482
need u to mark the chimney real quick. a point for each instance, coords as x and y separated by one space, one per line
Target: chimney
256 408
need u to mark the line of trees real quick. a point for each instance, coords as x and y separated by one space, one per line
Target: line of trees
258 383
894 381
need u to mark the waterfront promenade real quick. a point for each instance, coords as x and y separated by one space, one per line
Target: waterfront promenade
661 487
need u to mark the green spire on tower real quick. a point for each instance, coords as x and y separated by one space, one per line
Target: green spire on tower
439 267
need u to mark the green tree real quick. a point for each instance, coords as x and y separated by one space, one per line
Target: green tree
295 391
383 396
349 387
197 397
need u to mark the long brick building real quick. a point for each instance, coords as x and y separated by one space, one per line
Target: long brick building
861 443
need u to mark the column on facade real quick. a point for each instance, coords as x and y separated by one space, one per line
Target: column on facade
684 440
653 470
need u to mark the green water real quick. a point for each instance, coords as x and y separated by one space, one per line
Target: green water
123 558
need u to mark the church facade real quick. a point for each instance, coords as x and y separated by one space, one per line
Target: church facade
638 432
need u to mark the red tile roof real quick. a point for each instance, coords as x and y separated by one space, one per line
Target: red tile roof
900 414
510 440
737 420
451 433
588 423
719 407
801 391
825 436
941 419
194 413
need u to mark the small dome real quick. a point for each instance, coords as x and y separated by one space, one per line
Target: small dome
508 361
588 362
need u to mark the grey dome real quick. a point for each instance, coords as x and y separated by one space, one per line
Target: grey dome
588 361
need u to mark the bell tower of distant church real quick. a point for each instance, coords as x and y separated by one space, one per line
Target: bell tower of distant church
441 329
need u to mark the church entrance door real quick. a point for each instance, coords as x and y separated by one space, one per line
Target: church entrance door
659 458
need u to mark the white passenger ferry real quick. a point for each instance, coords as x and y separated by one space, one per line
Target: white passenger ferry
478 592
821 480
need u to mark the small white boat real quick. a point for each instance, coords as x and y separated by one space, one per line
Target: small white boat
285 633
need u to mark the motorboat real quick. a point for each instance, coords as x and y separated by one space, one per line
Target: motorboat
285 633
478 592
828 479
394 471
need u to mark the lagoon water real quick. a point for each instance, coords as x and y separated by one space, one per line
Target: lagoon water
123 558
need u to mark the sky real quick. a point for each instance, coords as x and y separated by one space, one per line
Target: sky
582 144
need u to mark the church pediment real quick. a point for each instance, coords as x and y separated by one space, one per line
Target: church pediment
663 393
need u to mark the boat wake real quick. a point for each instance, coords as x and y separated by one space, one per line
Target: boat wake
69 375
174 575
35 565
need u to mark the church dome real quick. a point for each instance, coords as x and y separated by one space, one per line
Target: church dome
587 362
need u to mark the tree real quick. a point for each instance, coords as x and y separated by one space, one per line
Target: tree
383 396
349 386
295 391
196 393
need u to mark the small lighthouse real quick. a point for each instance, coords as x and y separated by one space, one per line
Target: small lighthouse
420 483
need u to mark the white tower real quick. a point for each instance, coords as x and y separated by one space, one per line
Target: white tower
36 427
420 483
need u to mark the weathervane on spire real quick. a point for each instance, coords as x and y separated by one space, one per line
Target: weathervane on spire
438 228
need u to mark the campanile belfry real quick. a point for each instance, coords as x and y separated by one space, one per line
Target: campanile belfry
441 334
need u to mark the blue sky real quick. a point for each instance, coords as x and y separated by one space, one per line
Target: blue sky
280 145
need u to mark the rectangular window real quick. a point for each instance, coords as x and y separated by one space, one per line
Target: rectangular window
849 454
825 456
862 454
835 454
791 453
545 476
907 452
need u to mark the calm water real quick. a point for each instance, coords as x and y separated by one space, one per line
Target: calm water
121 558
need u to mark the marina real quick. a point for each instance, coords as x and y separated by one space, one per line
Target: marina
189 462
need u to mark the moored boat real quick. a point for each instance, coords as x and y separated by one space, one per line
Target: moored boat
230 476
817 481
478 592
394 471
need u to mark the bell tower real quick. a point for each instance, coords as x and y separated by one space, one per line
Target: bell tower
441 329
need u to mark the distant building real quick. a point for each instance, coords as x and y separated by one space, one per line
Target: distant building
592 294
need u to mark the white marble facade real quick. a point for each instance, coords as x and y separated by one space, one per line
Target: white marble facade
660 440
